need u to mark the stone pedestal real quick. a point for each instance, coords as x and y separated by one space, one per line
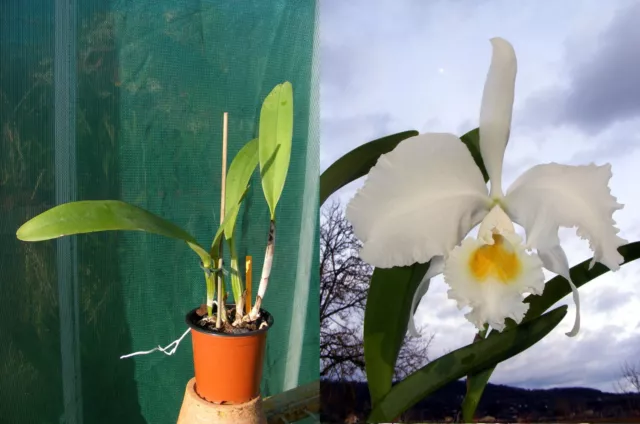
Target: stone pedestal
196 410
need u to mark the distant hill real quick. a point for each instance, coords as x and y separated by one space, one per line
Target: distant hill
499 403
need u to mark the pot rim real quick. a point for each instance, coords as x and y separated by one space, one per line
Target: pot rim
199 329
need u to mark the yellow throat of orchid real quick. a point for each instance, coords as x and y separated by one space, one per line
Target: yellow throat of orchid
495 261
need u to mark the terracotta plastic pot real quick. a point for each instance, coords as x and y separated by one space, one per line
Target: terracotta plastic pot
228 367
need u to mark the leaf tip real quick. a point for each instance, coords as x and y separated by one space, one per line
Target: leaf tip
23 232
20 234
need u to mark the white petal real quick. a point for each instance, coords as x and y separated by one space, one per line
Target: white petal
550 196
436 267
418 201
496 110
492 297
555 260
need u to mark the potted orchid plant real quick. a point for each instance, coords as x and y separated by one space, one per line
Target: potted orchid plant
423 195
235 332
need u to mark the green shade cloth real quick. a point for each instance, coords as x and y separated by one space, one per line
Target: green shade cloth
124 100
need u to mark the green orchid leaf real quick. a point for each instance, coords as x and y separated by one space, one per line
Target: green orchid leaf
357 163
461 362
274 137
472 141
476 384
231 215
90 216
238 177
236 278
554 290
385 323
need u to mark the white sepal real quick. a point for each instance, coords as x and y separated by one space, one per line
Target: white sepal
496 110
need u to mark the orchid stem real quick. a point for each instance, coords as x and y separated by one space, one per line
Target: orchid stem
221 316
211 289
266 271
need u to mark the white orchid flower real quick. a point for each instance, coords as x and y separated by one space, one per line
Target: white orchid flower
421 199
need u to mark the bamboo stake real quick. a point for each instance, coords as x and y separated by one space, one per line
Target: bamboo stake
247 277
221 306
225 121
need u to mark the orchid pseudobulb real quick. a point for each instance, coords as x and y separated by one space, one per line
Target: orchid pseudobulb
423 198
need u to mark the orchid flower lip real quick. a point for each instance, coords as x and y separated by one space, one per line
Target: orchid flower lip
491 279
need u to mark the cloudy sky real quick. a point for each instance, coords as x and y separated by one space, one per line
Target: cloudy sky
394 65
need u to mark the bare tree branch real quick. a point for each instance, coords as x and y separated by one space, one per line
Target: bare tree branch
344 284
629 378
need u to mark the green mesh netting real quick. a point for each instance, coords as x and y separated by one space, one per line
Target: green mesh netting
124 100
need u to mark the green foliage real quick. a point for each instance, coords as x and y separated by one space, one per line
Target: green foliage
237 285
240 171
275 135
475 387
472 141
385 323
91 216
238 177
231 215
461 362
272 150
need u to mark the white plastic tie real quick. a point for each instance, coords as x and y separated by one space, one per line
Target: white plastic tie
169 350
